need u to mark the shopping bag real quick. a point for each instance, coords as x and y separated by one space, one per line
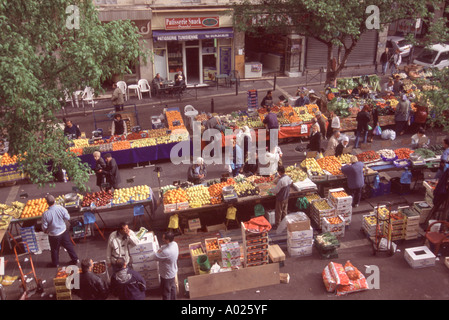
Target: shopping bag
174 222
377 131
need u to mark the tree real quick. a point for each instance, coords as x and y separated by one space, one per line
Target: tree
46 47
336 24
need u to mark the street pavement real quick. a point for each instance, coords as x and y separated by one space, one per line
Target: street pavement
398 281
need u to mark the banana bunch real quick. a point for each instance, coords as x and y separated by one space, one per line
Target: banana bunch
312 165
4 222
198 251
296 173
345 158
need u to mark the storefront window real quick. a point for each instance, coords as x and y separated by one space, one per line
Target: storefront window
174 54
209 52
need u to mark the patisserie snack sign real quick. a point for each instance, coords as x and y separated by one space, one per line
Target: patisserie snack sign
191 23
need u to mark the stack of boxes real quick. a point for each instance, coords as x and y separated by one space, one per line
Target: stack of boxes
196 250
342 205
42 241
253 103
394 228
430 187
230 254
334 225
61 289
423 209
29 237
369 225
319 209
411 217
255 247
299 235
142 262
213 251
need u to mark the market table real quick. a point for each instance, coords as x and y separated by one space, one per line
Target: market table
137 155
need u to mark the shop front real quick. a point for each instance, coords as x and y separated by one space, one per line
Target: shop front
200 47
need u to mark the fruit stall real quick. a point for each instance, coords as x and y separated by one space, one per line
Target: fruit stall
139 146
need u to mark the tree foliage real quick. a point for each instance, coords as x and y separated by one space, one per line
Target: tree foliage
40 57
336 24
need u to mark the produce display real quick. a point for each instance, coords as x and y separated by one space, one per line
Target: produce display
175 196
80 143
368 156
334 220
198 196
174 120
121 145
145 142
99 267
7 160
98 199
246 189
330 164
136 193
34 208
438 149
216 191
327 240
322 205
312 166
403 153
345 158
387 154
14 210
425 153
296 173
340 194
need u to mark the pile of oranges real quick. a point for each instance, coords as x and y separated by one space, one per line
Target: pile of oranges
121 145
34 208
216 191
175 196
8 160
173 116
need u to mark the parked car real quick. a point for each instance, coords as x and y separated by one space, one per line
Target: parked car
434 56
399 43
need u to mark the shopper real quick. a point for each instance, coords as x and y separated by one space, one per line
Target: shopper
213 122
71 130
322 123
111 171
126 283
267 101
363 118
119 243
332 144
355 179
117 98
388 87
167 256
282 192
92 286
54 224
157 83
419 139
334 124
398 86
271 120
100 166
402 115
444 160
341 146
420 117
384 58
237 158
118 125
396 62
375 121
269 166
314 139
197 172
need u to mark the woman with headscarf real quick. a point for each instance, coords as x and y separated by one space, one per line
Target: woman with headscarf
197 171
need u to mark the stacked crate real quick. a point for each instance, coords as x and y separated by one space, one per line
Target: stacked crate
299 235
394 228
423 209
28 235
334 225
255 247
411 217
213 251
369 225
61 289
230 254
343 205
196 249
429 192
252 100
143 262
317 213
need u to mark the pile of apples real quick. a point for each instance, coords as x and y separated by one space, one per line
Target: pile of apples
136 193
99 199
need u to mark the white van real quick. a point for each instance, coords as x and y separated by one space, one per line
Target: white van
435 56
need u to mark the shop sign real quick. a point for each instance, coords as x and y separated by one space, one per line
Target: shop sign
191 23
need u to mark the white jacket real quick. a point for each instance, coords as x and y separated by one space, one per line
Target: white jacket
118 246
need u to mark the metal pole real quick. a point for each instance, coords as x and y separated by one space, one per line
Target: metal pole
274 83
212 105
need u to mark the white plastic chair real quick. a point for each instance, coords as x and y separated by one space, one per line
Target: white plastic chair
144 86
189 108
122 85
136 88
68 98
88 96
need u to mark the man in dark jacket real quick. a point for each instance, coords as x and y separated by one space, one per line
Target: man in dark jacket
315 139
282 192
126 283
363 118
71 130
100 166
111 171
92 287
356 179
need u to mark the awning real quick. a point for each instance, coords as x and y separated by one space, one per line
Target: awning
185 35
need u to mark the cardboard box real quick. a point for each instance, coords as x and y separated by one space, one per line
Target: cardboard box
341 202
299 243
419 257
145 266
300 235
182 206
300 252
194 224
275 253
297 221
170 207
148 243
337 229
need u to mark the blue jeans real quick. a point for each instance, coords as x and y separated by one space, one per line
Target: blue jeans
357 138
384 67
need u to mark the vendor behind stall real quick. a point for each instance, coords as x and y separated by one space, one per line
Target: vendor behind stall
283 102
118 125
213 122
341 146
71 130
267 100
303 98
332 144
197 172
419 139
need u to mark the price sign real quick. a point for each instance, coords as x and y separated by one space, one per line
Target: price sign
304 129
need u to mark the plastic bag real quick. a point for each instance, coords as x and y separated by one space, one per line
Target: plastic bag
174 222
388 134
377 131
406 177
338 272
